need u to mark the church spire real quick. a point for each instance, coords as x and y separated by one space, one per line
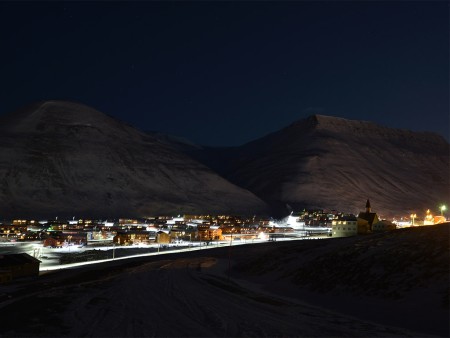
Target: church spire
368 206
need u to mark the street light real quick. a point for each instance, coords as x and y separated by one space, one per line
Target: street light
412 218
443 208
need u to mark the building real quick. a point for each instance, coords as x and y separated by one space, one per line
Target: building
14 266
5 276
162 237
366 220
13 231
131 237
54 241
209 233
383 225
344 226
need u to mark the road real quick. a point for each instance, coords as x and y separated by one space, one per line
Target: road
50 257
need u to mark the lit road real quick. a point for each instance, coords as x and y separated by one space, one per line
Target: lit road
50 257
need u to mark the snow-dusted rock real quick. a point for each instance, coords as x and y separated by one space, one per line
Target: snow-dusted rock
335 163
62 158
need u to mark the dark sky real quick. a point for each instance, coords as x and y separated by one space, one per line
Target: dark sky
225 73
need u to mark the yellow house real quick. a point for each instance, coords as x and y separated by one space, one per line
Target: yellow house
162 237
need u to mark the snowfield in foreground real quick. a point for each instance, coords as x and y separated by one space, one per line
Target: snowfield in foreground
196 294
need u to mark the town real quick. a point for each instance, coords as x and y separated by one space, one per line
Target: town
204 228
167 232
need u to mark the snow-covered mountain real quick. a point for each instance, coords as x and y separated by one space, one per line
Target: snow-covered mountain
67 158
335 163
62 158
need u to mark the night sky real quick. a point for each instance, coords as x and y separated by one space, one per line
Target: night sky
225 73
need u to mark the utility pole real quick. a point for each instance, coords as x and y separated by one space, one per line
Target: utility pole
229 256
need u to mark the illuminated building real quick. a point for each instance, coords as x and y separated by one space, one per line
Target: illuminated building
366 220
344 226
131 237
428 218
162 237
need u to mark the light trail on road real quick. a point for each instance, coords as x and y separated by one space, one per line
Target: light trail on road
33 248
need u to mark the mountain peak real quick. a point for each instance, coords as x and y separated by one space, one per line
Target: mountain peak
331 162
334 121
362 128
322 120
65 157
56 115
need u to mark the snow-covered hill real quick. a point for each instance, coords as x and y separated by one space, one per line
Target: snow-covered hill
334 163
399 278
380 285
66 159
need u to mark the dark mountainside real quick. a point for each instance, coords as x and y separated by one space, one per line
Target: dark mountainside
66 159
334 163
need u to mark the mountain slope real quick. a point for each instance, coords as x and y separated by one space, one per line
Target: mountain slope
328 162
62 158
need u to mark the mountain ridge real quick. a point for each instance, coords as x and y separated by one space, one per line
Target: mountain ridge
311 162
67 158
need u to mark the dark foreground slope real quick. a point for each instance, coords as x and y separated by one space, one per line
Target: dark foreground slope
334 163
66 159
398 278
393 285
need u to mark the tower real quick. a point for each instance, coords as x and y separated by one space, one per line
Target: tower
368 206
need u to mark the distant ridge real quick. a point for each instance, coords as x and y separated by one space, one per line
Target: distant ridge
361 126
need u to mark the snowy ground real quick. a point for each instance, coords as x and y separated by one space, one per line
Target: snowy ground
196 294
173 297
400 278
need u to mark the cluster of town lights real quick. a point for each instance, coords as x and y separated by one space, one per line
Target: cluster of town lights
428 216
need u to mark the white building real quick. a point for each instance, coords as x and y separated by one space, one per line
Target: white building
344 226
